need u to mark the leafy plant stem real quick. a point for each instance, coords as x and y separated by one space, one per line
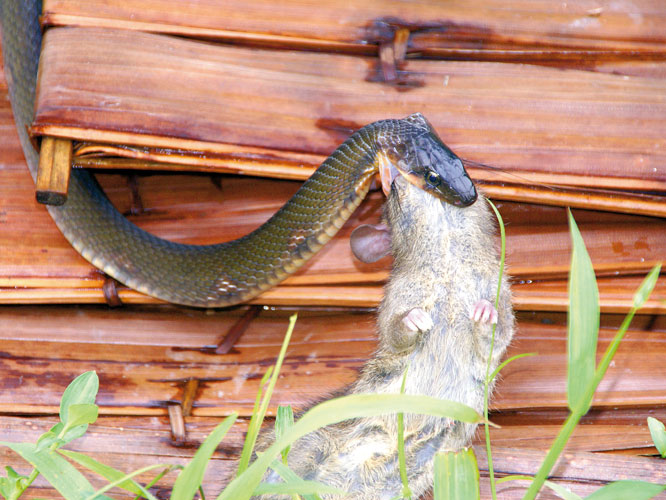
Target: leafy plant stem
580 410
486 426
34 473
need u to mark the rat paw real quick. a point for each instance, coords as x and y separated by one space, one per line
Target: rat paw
417 319
484 312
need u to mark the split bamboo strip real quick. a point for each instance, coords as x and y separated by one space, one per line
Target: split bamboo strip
578 124
339 25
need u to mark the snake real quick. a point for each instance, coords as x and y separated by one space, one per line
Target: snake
234 272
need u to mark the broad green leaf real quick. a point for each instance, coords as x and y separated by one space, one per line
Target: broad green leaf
643 293
337 410
82 414
62 475
13 484
50 437
82 390
456 476
297 488
191 476
284 420
289 476
583 322
107 472
624 490
658 433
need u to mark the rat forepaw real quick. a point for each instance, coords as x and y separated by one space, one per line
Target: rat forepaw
484 312
417 319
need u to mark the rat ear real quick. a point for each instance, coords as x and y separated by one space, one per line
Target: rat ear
370 243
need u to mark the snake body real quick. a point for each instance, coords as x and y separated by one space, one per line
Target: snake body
227 273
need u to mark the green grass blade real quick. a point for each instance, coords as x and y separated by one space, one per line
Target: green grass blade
190 478
489 378
583 322
284 420
561 491
337 410
402 462
107 472
99 493
622 490
456 476
258 416
507 361
289 476
62 475
572 420
658 433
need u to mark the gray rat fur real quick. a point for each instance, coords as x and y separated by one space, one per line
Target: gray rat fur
445 263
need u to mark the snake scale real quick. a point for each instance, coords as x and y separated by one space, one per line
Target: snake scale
227 273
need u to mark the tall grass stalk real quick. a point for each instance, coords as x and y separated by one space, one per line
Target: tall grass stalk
488 379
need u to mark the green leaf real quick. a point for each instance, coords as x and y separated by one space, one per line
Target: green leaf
337 410
456 476
62 475
82 414
284 420
82 390
643 293
12 485
622 490
190 478
259 413
297 488
658 433
107 472
583 322
561 491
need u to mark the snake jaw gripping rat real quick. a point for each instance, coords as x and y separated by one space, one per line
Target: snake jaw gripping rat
435 321
227 273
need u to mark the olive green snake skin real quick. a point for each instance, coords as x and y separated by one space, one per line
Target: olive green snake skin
227 273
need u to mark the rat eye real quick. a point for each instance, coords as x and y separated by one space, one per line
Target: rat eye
433 179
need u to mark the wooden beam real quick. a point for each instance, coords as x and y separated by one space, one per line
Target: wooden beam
54 167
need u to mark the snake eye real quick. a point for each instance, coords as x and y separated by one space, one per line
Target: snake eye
433 178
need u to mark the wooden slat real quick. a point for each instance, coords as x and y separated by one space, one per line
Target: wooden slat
170 348
582 124
55 158
335 24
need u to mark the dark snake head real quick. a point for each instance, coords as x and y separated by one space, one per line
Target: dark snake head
426 162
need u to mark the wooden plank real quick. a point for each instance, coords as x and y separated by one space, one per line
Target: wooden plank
55 158
170 347
335 24
540 119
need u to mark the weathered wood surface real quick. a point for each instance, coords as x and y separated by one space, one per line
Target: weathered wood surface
580 128
475 25
170 347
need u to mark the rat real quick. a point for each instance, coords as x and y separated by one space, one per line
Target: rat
435 321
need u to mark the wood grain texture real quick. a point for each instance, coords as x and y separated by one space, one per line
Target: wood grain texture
541 119
338 24
170 347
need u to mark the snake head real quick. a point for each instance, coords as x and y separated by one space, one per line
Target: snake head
426 162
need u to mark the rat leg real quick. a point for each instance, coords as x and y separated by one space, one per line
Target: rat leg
484 312
417 319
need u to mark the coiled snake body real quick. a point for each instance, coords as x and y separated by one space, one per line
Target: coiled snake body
234 272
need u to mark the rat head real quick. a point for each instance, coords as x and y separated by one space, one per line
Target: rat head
425 161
